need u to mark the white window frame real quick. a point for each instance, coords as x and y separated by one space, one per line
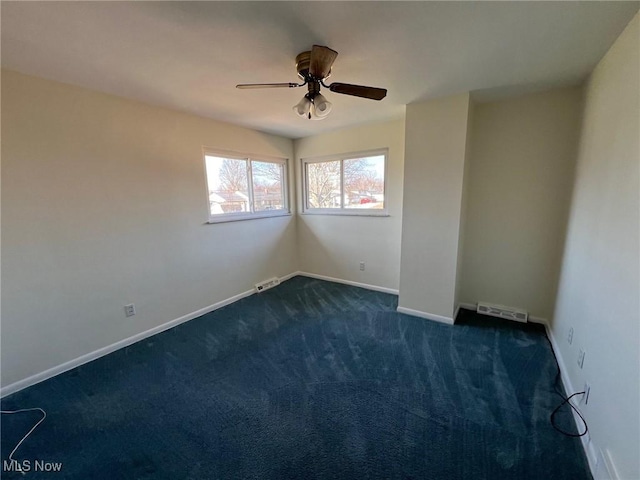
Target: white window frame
363 212
249 158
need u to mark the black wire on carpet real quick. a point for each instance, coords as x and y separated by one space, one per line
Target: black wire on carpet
565 400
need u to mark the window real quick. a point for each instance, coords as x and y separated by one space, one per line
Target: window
351 184
241 187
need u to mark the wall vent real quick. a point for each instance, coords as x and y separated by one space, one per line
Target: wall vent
501 311
267 284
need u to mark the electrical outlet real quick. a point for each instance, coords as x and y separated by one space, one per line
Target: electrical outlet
581 355
130 310
587 390
362 266
570 336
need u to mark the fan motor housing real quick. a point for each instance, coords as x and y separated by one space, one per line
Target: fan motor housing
303 60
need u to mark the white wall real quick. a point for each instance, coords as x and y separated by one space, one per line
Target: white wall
334 246
600 287
435 151
464 209
103 204
523 153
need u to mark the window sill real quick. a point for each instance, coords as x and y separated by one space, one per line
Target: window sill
347 213
251 216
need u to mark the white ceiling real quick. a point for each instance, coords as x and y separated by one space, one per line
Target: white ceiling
190 55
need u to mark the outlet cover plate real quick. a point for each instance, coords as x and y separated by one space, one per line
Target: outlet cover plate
581 355
587 391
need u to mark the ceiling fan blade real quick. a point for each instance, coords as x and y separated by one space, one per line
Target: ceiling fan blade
321 60
267 85
359 90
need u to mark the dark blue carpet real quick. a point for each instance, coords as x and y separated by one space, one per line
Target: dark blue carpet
311 379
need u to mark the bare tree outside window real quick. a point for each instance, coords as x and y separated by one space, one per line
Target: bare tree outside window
233 175
364 182
267 185
228 186
323 184
232 191
349 183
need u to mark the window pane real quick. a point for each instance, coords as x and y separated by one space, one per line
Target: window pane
228 185
323 185
364 182
268 180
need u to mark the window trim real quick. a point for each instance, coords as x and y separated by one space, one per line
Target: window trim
344 211
249 158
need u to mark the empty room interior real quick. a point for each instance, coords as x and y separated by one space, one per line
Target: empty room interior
281 240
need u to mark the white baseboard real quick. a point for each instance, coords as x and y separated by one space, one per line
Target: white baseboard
76 362
587 445
428 316
348 282
541 321
466 306
607 462
288 276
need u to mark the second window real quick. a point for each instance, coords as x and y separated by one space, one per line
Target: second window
241 188
346 184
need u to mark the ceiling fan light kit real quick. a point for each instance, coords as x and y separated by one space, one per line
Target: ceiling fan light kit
313 106
303 108
322 105
313 68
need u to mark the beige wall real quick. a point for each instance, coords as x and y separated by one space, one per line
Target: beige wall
465 206
103 204
522 162
435 152
334 246
599 294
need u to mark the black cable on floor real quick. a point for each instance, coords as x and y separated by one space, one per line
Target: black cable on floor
565 400
569 434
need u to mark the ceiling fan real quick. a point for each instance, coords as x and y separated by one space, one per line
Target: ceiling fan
314 67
